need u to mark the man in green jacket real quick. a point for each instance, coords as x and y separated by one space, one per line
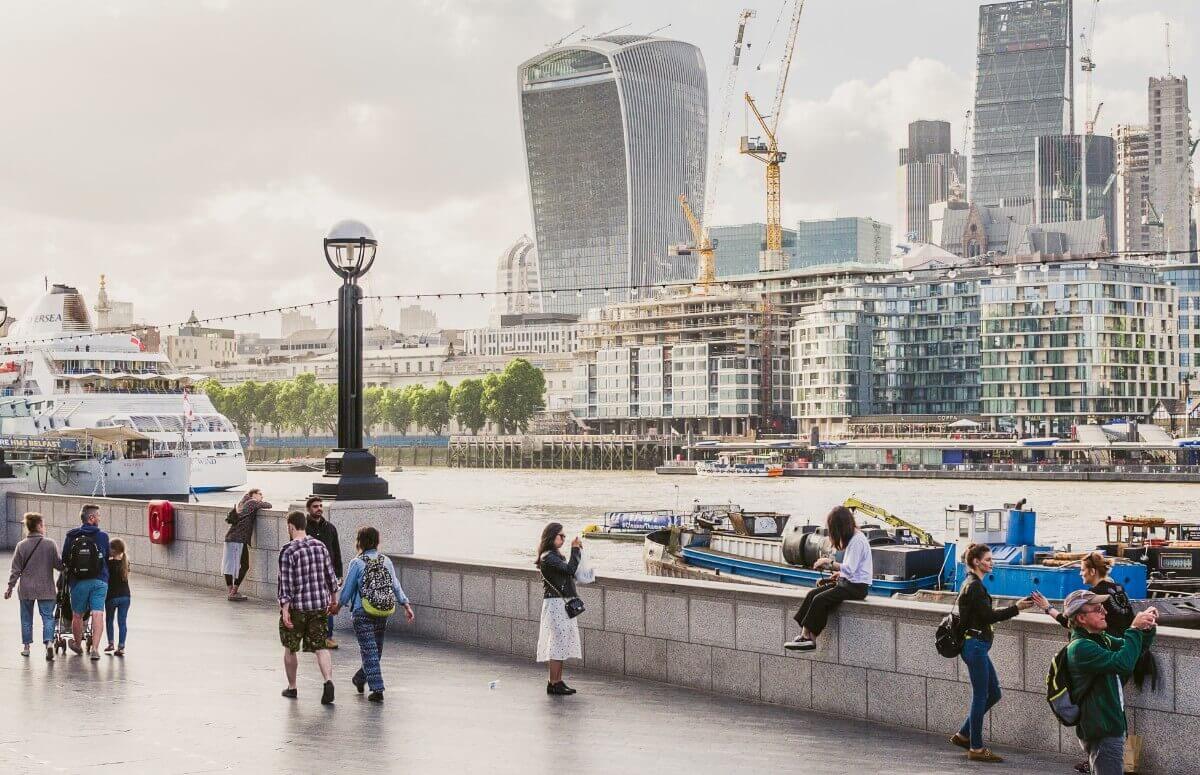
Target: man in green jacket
1099 663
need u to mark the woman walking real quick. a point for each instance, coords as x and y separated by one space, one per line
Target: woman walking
34 561
369 578
236 561
558 639
117 601
977 618
851 578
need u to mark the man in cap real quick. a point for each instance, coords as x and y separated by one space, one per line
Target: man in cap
1099 664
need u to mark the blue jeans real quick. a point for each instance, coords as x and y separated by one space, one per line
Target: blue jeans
985 688
46 611
370 630
121 606
1106 755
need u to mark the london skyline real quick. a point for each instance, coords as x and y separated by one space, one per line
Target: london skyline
229 142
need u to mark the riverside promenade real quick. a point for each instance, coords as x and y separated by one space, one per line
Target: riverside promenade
198 692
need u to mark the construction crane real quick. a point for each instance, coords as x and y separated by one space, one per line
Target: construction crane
1088 65
701 242
882 514
766 149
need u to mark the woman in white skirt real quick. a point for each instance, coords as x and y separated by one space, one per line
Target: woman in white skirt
559 636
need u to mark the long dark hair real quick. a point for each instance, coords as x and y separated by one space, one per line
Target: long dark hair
840 523
546 544
116 552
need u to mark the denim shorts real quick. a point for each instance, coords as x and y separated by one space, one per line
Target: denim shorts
88 595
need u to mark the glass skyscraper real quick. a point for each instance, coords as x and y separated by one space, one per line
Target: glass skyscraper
615 129
738 247
1073 180
1023 87
836 240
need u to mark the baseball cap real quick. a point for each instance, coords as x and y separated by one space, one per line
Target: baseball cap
1080 599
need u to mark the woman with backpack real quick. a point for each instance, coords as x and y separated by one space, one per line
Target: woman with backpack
34 561
116 605
235 563
372 591
977 619
558 639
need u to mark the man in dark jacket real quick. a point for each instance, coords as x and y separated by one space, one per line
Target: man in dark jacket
88 590
1099 663
324 531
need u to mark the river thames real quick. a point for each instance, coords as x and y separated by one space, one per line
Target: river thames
497 515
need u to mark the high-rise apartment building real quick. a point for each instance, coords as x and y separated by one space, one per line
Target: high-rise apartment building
615 129
930 171
837 240
739 246
1023 87
1170 163
1073 180
1132 188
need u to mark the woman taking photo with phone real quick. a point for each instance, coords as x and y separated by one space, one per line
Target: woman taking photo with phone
977 619
558 639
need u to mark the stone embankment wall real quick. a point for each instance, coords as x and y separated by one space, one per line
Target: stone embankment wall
876 659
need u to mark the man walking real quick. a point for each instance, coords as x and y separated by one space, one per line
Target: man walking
307 587
1099 663
85 558
324 531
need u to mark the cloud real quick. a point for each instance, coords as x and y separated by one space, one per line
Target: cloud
1139 39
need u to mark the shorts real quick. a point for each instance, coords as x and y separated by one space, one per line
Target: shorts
88 595
308 630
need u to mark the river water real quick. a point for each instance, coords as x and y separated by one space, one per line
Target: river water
497 515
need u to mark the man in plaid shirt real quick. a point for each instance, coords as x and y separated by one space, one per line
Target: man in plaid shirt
307 590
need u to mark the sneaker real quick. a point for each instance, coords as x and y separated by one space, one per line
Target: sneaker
94 656
984 755
327 694
25 650
75 647
1084 767
961 740
375 696
289 693
801 644
237 597
120 652
108 649
49 652
330 643
359 683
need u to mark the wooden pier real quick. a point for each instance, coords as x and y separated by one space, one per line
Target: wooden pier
569 452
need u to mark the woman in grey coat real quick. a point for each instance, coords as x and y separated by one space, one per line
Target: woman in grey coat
236 561
34 562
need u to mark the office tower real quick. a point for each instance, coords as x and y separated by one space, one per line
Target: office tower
837 240
1074 180
517 281
615 129
1133 188
738 247
930 172
1170 163
1023 86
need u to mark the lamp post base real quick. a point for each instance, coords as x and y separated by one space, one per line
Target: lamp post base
350 476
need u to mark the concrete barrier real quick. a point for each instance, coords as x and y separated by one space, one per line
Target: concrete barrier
876 659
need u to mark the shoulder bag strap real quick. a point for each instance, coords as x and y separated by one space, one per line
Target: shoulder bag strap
548 581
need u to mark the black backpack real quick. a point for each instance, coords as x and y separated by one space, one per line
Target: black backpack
84 561
950 634
1061 693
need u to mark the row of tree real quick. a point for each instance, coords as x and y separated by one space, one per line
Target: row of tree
507 400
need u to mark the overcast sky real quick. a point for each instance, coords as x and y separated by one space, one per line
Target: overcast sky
196 152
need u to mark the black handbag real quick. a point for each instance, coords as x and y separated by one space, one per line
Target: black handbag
950 635
573 605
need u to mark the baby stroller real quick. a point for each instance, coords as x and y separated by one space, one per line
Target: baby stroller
62 619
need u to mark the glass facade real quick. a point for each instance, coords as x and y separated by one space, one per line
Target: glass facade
1072 175
737 247
615 129
1186 280
1023 88
837 240
1075 343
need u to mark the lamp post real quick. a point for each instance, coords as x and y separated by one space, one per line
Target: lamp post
350 469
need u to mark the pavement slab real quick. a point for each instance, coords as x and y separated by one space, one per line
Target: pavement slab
198 692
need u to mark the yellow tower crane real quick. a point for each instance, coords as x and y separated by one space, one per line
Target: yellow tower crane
766 150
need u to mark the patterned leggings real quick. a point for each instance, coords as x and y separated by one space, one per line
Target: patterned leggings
369 630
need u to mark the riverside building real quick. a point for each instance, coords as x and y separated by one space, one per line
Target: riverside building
615 129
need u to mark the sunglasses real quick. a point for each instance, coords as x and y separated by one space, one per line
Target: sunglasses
563 536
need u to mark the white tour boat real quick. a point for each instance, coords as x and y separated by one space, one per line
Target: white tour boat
58 373
741 464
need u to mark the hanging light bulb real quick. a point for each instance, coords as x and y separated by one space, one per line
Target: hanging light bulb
607 293
579 294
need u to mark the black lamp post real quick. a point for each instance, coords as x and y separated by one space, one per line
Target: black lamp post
350 469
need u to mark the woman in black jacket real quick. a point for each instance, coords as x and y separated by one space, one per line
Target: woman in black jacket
558 639
978 617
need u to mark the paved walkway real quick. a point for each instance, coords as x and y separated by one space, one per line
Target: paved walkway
199 692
